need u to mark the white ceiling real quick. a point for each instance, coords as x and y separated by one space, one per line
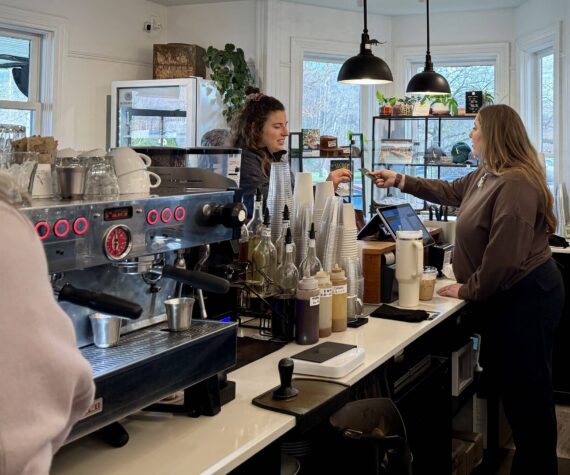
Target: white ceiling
386 7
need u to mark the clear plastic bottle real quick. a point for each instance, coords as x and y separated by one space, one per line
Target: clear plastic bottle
280 242
325 309
254 229
243 244
310 265
287 275
264 259
339 302
307 311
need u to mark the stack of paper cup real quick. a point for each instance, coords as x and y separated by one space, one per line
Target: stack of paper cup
331 227
348 244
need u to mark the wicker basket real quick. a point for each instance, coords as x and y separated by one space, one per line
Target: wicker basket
178 60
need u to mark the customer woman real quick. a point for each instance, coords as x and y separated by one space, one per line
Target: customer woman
503 262
260 130
46 384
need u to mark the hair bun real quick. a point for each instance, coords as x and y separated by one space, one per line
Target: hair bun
251 90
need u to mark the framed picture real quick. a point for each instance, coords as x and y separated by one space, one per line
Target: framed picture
311 142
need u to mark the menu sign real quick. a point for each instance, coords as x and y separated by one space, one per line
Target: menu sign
473 101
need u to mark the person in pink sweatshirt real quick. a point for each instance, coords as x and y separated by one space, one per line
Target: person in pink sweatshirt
46 384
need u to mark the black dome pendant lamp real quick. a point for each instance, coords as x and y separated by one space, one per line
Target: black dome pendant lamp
428 82
365 68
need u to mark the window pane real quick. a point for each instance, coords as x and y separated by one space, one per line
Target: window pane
14 68
547 104
331 107
18 117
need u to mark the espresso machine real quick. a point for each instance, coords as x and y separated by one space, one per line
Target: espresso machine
124 257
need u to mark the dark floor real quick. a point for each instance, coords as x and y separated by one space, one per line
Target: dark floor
505 468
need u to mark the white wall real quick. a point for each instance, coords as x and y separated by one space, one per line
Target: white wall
105 42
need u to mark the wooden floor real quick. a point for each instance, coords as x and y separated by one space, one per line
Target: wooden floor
563 418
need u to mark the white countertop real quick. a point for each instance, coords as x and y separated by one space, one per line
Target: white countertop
167 444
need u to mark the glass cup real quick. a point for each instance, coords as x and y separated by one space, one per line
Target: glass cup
101 181
427 284
21 166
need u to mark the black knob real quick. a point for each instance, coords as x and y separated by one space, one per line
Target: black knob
286 390
230 215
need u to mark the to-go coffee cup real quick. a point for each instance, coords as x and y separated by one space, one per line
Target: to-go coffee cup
427 284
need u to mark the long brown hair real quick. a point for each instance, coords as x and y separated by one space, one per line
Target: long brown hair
505 147
248 124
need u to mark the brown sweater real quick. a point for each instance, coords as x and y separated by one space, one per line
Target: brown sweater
501 228
46 383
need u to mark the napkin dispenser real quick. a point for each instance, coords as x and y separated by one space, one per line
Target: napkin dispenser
440 254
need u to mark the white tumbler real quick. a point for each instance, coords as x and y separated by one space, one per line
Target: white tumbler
409 266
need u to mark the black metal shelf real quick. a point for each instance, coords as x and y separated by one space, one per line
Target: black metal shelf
426 119
296 154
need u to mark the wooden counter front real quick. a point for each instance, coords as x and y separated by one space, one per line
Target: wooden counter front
372 252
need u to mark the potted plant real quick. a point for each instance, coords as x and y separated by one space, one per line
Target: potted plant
407 105
386 103
488 98
230 72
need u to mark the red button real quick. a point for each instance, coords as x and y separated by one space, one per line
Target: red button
152 217
179 213
80 226
43 229
61 228
166 215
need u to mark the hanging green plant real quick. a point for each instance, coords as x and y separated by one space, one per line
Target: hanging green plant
230 72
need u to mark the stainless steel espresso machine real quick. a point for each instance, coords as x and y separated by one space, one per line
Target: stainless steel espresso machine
128 249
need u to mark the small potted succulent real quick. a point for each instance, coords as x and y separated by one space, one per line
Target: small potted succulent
386 104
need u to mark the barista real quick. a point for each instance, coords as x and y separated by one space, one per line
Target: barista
47 385
260 130
502 261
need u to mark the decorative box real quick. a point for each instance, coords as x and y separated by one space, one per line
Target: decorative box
178 60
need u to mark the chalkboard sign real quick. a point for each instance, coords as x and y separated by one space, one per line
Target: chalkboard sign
473 101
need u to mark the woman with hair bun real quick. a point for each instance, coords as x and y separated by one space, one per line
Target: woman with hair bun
260 130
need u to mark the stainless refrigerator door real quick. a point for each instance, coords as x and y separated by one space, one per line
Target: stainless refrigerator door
209 108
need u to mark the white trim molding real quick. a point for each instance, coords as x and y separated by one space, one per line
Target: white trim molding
53 31
527 46
498 53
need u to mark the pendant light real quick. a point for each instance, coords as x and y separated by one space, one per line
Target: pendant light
365 68
428 82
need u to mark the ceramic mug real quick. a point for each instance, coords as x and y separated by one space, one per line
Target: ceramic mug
127 160
138 182
42 185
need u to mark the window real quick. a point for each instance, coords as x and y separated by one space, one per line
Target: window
19 85
539 91
545 63
328 105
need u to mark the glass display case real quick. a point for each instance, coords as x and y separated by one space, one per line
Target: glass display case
164 113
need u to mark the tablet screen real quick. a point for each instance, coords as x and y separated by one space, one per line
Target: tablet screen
402 217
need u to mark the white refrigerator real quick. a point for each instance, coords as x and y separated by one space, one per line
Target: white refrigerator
164 112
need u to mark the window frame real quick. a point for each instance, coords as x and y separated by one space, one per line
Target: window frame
32 104
51 32
491 53
530 49
307 47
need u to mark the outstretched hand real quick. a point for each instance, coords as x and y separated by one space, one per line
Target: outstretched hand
384 178
339 176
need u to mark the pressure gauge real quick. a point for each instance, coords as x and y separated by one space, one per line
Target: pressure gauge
117 242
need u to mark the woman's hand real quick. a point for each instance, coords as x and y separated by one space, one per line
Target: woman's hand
339 176
450 291
384 178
